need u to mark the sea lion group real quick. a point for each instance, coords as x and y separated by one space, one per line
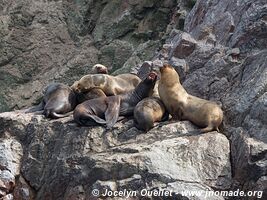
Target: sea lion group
100 98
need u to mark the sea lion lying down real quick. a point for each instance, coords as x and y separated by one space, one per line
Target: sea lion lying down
110 85
106 110
58 100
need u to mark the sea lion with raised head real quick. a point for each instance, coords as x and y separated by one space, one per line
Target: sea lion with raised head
183 106
110 85
57 101
106 110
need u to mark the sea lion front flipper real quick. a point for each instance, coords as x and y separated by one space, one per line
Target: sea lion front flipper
113 110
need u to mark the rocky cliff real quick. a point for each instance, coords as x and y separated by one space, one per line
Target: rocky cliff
219 49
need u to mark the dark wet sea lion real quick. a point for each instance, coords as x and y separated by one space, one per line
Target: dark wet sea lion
106 110
57 101
183 106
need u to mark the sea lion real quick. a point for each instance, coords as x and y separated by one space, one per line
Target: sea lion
148 111
106 110
95 92
99 69
110 85
183 106
57 101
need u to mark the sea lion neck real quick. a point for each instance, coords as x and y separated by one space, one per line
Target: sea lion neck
142 90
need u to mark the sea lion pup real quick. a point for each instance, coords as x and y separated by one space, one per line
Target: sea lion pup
183 106
106 110
148 111
57 101
99 69
110 85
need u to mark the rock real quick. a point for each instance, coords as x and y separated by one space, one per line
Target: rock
219 50
7 181
43 42
10 155
183 46
115 54
181 67
8 197
143 52
55 169
250 166
232 22
22 190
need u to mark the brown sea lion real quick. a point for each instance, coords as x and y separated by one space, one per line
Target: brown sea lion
110 85
106 110
99 69
57 101
148 111
183 106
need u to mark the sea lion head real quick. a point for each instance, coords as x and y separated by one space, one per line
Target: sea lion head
99 69
76 87
151 78
168 72
165 68
145 88
83 85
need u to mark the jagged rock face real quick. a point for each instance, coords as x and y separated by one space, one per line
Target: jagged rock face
221 56
60 157
234 23
45 41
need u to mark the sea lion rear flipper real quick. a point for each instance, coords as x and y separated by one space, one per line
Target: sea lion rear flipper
56 115
35 108
97 119
113 110
89 120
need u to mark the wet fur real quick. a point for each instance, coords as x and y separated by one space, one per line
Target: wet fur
57 102
148 111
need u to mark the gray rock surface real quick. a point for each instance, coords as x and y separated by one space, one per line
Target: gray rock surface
87 158
219 50
44 41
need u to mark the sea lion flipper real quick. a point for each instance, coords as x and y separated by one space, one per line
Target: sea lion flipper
113 110
32 109
57 115
97 119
